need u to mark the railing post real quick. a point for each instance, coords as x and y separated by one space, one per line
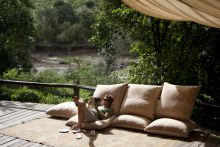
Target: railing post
76 91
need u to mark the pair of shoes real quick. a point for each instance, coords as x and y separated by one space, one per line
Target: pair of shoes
77 130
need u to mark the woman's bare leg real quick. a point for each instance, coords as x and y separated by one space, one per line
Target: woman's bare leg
81 107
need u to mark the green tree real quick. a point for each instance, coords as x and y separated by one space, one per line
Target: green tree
176 52
16 33
64 22
109 35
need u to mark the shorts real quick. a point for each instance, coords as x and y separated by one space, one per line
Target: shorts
90 115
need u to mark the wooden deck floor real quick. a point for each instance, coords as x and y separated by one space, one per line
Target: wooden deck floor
14 113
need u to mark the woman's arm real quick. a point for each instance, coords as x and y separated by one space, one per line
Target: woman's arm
100 114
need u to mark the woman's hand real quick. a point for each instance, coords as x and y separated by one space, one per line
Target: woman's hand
93 102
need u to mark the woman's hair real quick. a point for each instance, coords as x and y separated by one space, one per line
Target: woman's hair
108 97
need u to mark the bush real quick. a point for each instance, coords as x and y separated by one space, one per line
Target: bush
90 74
27 95
203 113
5 93
48 76
16 74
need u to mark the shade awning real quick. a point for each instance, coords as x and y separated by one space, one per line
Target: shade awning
206 12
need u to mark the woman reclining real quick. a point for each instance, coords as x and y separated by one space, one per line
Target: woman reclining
92 112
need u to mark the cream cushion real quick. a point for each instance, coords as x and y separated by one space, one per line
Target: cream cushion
170 127
131 121
99 124
141 100
116 90
72 121
177 101
63 110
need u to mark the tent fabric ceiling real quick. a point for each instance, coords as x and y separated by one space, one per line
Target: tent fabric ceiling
206 12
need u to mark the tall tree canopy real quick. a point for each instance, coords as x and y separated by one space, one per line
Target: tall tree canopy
16 31
176 52
64 22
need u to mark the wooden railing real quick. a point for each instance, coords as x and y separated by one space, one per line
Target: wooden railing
75 87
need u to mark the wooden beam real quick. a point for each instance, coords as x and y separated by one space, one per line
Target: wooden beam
38 84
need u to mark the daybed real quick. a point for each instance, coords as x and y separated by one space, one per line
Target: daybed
164 110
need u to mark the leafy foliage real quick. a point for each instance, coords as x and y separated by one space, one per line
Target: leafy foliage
65 22
183 53
89 74
108 34
27 95
176 52
16 31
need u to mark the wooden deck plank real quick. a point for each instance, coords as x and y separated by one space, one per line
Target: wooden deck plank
6 140
4 137
6 110
20 112
28 144
26 105
201 138
12 115
10 143
36 145
212 140
22 120
45 145
18 104
17 116
25 116
19 143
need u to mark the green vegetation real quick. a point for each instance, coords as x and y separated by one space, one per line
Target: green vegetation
85 74
16 33
64 22
183 53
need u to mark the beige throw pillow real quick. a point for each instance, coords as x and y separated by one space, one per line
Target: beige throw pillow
141 100
63 110
131 122
116 90
177 101
170 127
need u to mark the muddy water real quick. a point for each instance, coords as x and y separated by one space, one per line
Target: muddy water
42 61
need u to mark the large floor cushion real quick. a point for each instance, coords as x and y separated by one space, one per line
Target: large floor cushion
63 110
141 100
170 127
99 124
72 121
131 122
177 101
116 90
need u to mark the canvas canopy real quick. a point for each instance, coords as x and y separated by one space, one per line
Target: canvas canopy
206 12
